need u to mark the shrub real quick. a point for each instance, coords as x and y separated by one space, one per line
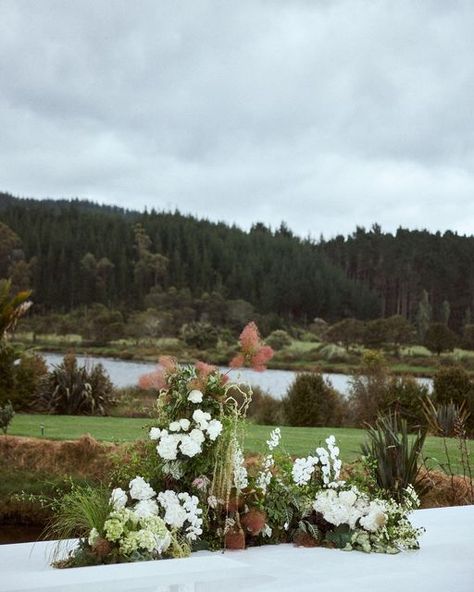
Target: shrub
28 374
278 339
369 392
393 455
440 338
70 389
405 397
6 415
451 384
199 335
311 401
8 357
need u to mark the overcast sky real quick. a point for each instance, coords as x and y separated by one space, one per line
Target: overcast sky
325 114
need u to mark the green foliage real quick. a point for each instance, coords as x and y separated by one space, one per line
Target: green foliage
6 415
452 385
468 337
200 335
29 372
440 338
369 389
278 339
311 401
394 454
346 332
71 389
445 419
78 512
405 397
12 307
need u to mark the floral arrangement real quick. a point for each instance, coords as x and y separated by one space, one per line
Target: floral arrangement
203 493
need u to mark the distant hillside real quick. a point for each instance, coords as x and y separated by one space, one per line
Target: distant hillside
80 252
399 266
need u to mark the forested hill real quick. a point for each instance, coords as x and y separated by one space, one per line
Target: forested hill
400 266
77 252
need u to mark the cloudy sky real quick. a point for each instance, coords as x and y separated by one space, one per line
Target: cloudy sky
326 114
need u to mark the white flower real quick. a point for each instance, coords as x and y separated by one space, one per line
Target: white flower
240 472
274 440
140 489
197 435
212 501
181 508
375 518
267 531
184 423
303 468
118 498
201 418
189 446
155 433
331 440
214 428
195 396
146 508
174 426
168 447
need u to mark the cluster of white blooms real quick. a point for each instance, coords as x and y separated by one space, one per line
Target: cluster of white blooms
240 472
264 476
182 508
351 507
139 527
303 468
184 436
327 459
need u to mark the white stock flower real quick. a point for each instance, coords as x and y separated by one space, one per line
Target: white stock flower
118 498
303 468
189 446
214 429
240 472
274 440
155 433
140 489
195 396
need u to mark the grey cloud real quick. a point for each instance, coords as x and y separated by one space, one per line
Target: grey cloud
323 114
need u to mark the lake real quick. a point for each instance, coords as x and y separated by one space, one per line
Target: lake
276 382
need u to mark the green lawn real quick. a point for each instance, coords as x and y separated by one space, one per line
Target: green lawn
297 441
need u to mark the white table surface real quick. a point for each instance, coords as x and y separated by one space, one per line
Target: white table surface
444 563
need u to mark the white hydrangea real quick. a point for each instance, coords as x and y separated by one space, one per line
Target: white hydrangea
93 537
181 508
146 508
189 446
195 396
168 446
155 433
118 498
214 429
375 517
140 489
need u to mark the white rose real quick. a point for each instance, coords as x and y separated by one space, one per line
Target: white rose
155 433
184 423
174 426
195 396
197 436
201 418
189 446
118 498
214 428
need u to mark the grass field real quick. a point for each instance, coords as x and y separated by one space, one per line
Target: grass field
297 441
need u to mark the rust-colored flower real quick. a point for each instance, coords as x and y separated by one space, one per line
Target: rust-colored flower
253 352
157 380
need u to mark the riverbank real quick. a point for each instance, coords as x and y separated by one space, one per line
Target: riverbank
301 356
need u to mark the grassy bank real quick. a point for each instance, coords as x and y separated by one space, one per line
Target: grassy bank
297 441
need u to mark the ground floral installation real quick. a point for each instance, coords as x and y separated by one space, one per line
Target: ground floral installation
202 494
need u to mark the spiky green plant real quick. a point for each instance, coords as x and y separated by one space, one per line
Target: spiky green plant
395 454
78 512
443 418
